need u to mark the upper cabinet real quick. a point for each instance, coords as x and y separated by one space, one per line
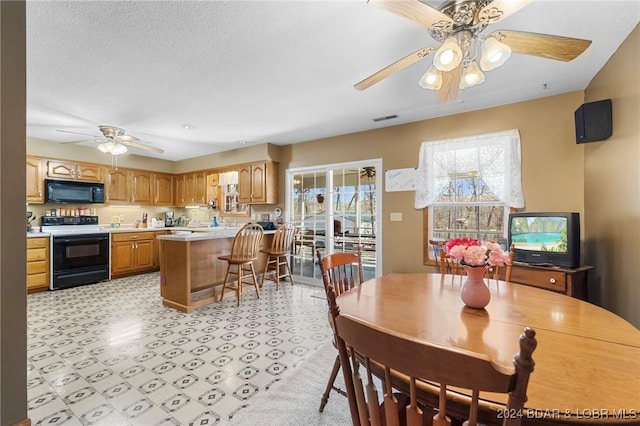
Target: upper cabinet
74 171
258 183
191 189
35 180
163 189
142 187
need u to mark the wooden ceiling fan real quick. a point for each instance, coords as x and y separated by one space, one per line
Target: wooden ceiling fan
114 140
458 25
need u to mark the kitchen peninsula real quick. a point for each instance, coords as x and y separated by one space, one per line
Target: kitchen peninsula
191 275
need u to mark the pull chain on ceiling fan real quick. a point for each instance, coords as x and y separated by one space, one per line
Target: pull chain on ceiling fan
464 52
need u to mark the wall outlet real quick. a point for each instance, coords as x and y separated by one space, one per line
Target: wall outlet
396 217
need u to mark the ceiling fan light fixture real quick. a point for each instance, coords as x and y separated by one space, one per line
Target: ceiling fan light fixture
119 149
448 56
494 54
471 76
432 79
113 148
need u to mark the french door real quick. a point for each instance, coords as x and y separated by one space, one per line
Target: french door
336 208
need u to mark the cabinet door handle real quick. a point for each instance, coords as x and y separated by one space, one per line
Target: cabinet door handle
552 280
39 193
132 246
73 173
79 173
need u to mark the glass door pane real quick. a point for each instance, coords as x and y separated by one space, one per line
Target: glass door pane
335 209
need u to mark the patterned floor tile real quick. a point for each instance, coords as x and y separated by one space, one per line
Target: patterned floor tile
112 354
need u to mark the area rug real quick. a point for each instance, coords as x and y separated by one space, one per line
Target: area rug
296 399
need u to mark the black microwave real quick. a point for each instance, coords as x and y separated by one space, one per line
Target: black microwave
63 191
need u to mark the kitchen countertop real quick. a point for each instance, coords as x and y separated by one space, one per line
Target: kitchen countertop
210 234
38 234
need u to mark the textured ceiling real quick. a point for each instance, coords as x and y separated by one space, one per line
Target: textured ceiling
267 71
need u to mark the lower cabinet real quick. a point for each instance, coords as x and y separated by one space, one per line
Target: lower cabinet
134 253
37 264
131 253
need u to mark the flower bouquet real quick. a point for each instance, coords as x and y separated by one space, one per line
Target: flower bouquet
472 252
475 258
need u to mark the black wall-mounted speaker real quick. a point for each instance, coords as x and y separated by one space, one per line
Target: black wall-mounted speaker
594 121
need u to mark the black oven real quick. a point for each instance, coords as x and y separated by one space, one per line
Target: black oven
79 259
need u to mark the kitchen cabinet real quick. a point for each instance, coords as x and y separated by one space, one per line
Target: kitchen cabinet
35 180
74 171
163 189
126 186
141 187
37 264
133 253
117 186
193 187
180 196
258 183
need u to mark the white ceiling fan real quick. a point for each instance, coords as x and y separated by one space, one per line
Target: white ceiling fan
465 52
114 141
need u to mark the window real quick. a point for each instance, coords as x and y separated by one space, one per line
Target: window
467 186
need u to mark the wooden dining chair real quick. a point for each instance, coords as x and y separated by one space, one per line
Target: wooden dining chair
244 250
448 265
279 252
496 272
361 345
341 272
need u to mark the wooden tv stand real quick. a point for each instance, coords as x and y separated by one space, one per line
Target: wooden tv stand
570 281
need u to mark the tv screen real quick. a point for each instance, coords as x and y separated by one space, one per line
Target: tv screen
545 238
539 233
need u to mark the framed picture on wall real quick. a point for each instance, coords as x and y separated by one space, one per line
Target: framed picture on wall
265 217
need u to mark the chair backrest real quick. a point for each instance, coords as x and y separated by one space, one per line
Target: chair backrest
341 270
283 238
363 344
246 243
448 265
495 271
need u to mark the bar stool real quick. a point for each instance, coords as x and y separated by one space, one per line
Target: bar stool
244 250
279 252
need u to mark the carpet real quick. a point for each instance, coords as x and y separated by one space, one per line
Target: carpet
296 399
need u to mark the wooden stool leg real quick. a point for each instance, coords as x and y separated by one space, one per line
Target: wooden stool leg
264 273
255 281
277 261
239 286
224 284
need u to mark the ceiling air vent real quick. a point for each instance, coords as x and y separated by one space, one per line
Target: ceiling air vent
388 117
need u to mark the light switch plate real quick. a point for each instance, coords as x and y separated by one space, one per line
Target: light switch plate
396 217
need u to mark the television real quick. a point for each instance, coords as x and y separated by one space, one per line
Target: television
545 238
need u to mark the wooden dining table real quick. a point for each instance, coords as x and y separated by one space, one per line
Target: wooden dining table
587 362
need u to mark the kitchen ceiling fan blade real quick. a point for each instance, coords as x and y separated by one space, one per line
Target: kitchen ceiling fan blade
396 66
129 141
498 10
415 11
542 45
77 133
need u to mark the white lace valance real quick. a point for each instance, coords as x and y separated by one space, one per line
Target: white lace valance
495 156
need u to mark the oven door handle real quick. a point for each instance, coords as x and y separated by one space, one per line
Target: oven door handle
79 239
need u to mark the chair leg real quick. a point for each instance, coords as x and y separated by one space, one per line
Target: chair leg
277 269
266 269
224 284
255 281
239 286
332 379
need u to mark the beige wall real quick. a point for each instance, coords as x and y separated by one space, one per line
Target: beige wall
612 185
552 163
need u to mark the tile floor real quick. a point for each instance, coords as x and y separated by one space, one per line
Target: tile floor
111 354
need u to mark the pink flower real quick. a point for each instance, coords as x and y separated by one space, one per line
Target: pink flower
472 252
475 255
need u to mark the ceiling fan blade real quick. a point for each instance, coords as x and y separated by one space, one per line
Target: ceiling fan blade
497 10
415 11
77 133
396 66
96 139
542 45
128 142
450 85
